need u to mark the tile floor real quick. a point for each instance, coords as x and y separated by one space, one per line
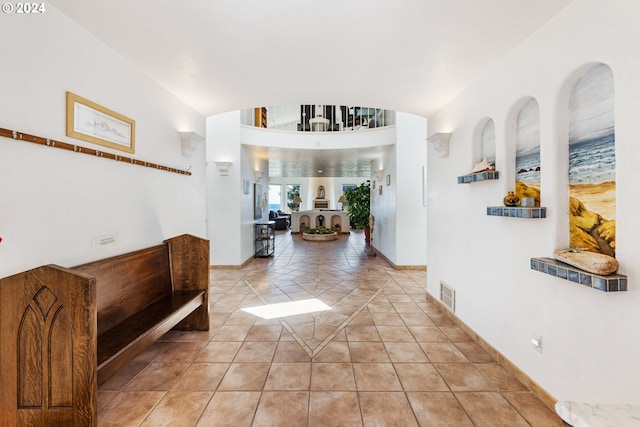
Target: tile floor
383 356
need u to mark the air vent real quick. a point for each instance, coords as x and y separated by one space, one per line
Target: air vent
448 296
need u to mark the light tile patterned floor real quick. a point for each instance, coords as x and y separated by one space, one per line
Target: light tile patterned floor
383 356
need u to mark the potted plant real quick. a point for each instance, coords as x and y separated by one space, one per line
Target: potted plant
359 202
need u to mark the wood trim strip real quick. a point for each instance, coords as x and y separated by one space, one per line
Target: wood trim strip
508 365
19 136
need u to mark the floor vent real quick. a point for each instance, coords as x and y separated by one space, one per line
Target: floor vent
448 296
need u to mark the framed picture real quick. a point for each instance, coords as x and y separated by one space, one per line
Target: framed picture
380 190
257 201
93 123
373 184
246 189
388 179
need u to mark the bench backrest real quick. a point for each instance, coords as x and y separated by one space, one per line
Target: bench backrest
127 283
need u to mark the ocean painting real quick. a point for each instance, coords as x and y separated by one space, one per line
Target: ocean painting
488 142
592 162
528 151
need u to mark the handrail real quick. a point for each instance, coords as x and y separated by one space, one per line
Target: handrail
317 118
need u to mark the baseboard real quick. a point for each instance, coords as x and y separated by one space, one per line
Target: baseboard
398 267
244 264
527 381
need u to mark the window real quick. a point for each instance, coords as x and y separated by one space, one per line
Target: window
275 197
293 191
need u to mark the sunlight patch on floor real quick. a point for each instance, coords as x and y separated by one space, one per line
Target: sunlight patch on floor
284 309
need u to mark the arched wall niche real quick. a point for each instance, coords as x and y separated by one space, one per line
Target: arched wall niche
591 160
508 149
528 168
488 141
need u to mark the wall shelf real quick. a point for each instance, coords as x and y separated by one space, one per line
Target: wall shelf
517 212
479 176
553 267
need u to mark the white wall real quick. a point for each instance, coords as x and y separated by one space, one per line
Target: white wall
591 339
406 183
53 202
400 217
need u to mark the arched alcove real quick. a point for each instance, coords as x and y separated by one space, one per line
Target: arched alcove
488 142
592 161
527 165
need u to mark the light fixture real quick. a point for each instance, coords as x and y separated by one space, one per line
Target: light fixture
223 168
342 200
440 143
257 174
379 174
190 142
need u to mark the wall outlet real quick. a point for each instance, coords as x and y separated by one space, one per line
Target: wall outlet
536 341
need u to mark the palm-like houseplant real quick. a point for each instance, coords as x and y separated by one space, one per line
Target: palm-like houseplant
359 202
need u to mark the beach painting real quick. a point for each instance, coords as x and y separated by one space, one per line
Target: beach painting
488 142
528 151
592 162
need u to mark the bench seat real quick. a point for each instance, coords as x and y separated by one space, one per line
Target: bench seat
121 343
67 330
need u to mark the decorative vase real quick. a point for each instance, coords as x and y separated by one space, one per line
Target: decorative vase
511 199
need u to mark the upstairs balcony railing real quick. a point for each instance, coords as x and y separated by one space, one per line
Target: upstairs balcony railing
317 118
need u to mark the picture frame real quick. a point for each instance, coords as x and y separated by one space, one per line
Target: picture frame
373 184
246 188
94 123
380 190
257 201
388 179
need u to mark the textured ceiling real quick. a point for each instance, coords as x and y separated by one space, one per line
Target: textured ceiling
318 163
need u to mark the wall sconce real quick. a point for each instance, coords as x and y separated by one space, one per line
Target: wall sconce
379 174
440 143
190 142
223 168
257 174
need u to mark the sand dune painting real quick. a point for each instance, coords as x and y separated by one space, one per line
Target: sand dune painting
592 162
488 142
528 151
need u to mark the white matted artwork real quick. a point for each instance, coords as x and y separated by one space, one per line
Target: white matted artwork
93 123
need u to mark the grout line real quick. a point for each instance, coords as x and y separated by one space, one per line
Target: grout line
332 335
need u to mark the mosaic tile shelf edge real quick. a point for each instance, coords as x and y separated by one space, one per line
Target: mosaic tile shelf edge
480 176
610 283
517 212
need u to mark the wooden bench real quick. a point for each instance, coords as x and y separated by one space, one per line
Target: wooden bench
65 331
